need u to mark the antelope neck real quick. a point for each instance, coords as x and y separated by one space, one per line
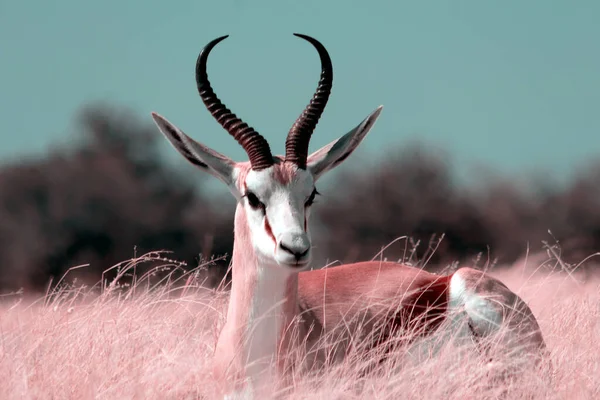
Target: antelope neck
263 300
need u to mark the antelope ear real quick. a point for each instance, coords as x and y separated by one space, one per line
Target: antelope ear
198 154
332 155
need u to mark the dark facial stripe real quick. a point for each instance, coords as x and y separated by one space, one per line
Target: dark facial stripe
267 224
269 230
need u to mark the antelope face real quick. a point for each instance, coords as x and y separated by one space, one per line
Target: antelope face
274 194
277 202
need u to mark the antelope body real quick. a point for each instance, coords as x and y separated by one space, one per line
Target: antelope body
276 304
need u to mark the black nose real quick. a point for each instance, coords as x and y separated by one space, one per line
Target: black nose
297 253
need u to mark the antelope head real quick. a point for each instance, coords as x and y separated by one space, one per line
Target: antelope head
274 193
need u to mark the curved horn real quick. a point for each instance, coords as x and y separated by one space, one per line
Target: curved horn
254 144
296 144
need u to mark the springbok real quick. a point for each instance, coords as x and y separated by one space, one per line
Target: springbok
272 290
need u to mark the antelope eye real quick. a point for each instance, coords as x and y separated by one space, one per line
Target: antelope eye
254 202
311 199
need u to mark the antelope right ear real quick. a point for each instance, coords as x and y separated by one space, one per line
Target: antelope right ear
198 154
332 155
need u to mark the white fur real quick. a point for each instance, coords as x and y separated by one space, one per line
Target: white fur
285 212
458 317
478 307
491 308
265 321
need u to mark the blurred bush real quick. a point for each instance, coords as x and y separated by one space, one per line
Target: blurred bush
110 194
412 192
97 200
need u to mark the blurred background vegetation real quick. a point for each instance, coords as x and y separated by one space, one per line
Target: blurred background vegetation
109 195
500 100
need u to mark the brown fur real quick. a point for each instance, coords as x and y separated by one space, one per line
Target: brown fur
285 172
229 366
368 297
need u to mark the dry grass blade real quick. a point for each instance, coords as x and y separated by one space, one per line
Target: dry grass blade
157 343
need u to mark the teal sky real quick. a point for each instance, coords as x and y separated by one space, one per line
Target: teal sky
513 85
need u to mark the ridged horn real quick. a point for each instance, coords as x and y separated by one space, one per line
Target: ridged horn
298 139
254 144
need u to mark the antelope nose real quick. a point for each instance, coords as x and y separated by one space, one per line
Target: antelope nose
296 245
297 253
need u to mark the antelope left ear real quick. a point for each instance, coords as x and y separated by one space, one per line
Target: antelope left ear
331 155
203 157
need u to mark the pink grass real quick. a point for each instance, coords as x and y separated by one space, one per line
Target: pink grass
156 343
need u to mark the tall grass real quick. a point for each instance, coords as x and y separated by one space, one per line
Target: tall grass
153 337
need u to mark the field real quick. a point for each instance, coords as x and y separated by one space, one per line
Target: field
155 342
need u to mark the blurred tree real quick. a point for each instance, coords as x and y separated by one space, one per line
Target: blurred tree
574 214
110 192
412 193
93 203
